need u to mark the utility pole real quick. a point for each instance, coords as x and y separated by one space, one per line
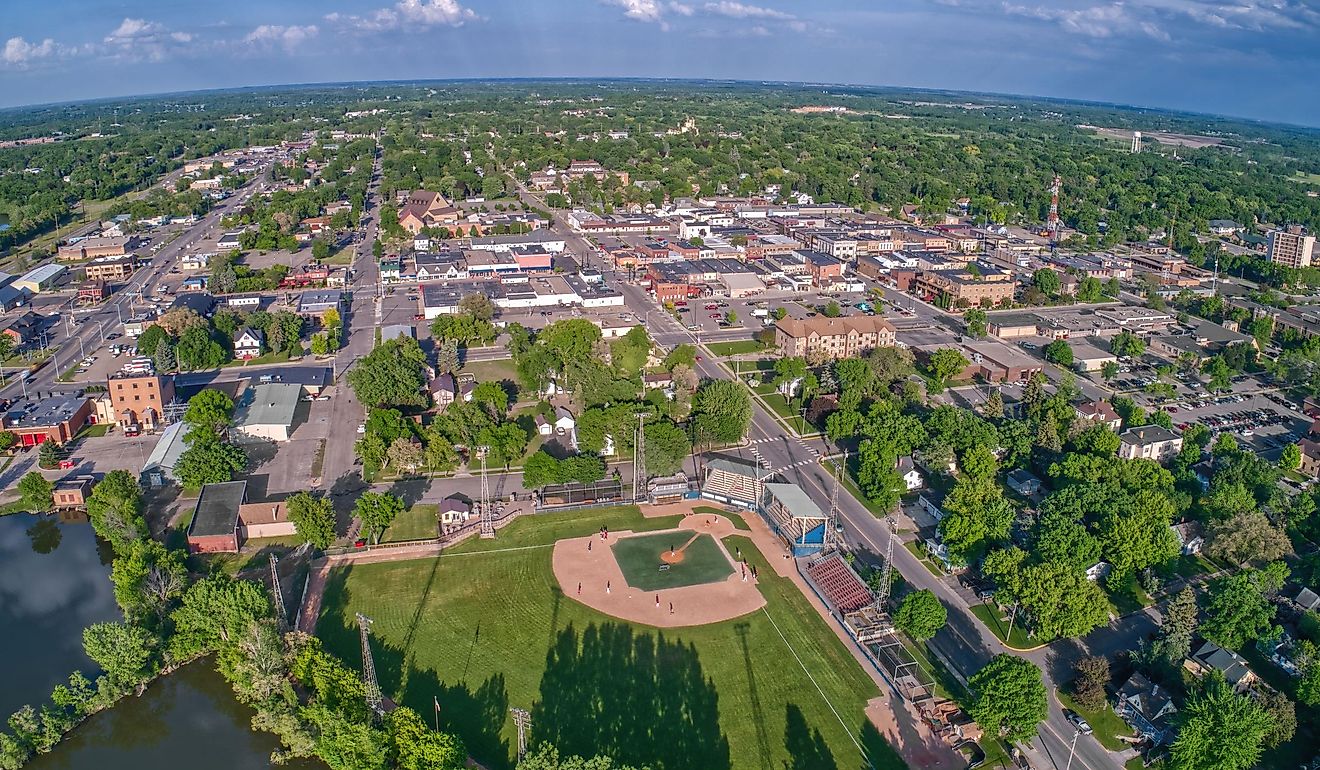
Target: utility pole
524 722
1073 749
372 687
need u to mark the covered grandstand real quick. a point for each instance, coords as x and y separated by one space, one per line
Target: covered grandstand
794 517
733 480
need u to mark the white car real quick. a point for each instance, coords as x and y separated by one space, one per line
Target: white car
362 428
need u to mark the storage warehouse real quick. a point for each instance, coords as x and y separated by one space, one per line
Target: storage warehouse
266 410
41 279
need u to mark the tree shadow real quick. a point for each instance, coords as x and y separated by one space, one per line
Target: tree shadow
477 715
805 745
754 696
410 490
640 699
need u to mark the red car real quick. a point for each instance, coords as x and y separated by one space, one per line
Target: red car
712 306
716 315
66 464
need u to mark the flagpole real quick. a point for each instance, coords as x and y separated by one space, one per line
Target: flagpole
436 701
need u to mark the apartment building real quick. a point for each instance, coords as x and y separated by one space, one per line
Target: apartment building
140 399
1291 247
833 337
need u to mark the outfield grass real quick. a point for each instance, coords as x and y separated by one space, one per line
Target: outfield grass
485 628
734 347
415 523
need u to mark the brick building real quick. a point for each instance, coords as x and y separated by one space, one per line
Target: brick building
140 399
57 418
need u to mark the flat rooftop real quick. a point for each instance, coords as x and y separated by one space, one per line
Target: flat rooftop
217 509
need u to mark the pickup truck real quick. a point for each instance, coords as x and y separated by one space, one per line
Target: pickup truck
760 312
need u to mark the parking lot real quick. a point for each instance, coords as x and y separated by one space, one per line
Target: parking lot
709 314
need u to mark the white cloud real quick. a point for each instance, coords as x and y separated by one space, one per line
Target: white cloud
644 10
742 11
409 14
142 39
287 37
20 54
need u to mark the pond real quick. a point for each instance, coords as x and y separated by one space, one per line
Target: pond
54 581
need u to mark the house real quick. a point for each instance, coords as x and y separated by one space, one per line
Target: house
660 380
1310 466
1101 412
445 390
912 477
454 510
1212 657
1190 539
230 241
1099 571
1024 482
72 492
256 520
195 261
248 343
92 291
1147 708
1149 441
1224 227
266 410
424 209
317 301
214 527
25 328
195 283
390 268
1307 599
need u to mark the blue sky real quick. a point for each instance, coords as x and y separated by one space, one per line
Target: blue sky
1255 58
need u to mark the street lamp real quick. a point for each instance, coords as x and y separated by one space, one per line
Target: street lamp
1077 733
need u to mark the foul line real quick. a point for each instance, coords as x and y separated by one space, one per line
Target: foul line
498 550
803 666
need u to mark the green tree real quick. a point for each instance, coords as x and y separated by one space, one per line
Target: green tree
945 363
492 397
393 374
212 462
541 469
216 611
921 615
723 410
377 510
463 328
1059 352
147 577
1247 537
1047 281
547 757
1008 698
975 319
209 414
313 519
36 492
1173 643
1109 370
1290 459
1127 344
415 746
831 310
667 446
1239 609
115 510
1219 730
48 455
198 350
1091 677
124 651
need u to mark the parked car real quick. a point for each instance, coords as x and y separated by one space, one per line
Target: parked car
1082 725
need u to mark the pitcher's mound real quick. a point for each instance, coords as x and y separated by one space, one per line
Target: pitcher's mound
671 557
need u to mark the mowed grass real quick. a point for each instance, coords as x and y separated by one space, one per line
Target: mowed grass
640 557
485 628
416 523
734 347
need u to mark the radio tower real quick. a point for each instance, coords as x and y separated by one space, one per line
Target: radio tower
833 539
887 578
1053 222
487 517
280 610
524 721
372 687
639 459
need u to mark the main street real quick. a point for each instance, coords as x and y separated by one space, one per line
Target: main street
85 331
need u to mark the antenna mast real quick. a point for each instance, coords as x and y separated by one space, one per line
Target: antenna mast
487 516
372 687
1053 222
280 610
639 459
524 721
833 539
887 578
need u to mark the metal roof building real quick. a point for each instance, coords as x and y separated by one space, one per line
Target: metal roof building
266 410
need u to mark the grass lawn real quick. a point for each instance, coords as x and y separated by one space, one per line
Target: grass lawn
269 358
1128 598
93 431
781 407
833 467
734 347
1304 178
489 630
737 520
1106 724
998 623
415 523
343 256
254 554
915 548
486 371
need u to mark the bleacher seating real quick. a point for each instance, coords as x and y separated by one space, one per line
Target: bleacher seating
842 588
